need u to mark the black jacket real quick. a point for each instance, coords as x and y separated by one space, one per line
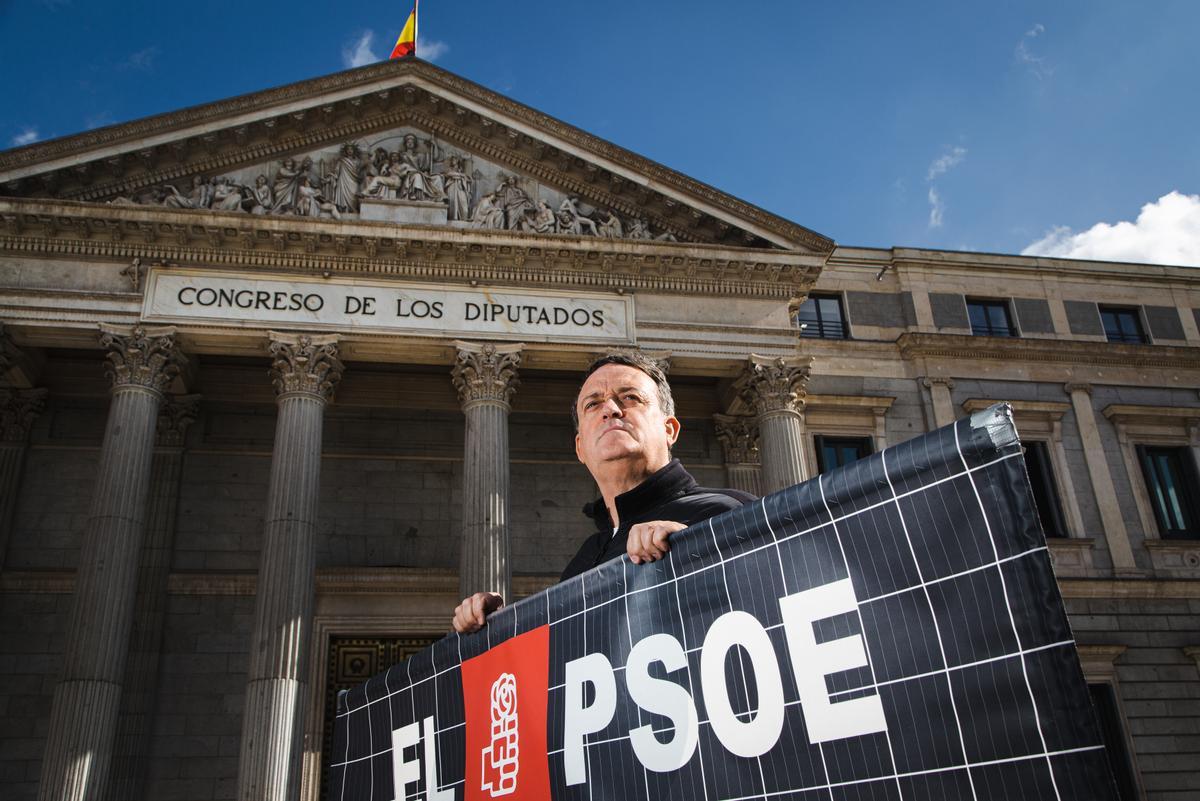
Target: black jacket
669 494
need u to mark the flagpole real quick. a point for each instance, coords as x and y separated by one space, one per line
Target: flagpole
416 25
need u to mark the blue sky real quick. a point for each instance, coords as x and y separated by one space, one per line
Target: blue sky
959 125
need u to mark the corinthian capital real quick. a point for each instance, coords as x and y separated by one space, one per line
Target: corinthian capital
739 438
18 409
778 384
305 363
174 416
485 373
141 356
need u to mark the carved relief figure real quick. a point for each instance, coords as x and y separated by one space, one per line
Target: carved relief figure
610 226
457 186
227 196
311 203
514 200
260 196
287 181
199 198
488 213
341 185
542 222
570 221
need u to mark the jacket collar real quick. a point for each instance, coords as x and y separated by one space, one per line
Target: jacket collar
665 484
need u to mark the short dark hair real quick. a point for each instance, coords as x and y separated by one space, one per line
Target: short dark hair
638 362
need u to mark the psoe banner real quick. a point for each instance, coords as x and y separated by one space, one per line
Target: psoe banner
888 630
360 304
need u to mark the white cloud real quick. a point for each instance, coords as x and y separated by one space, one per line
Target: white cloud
1166 231
946 162
143 59
1036 65
26 137
431 49
359 53
937 208
951 158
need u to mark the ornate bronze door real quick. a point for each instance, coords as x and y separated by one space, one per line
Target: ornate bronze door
353 660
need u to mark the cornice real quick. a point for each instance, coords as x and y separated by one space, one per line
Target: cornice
205 239
1105 354
395 75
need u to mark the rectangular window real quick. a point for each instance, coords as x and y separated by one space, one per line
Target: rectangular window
1122 324
1116 745
1171 481
990 318
1045 490
840 451
821 317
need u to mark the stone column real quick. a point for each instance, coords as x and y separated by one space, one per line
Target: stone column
739 439
485 377
775 388
943 405
1115 534
18 409
130 758
305 370
83 719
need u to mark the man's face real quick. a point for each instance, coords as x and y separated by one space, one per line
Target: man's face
620 419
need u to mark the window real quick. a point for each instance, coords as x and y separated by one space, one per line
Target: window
1171 482
1116 744
1122 325
1045 491
989 318
821 317
840 451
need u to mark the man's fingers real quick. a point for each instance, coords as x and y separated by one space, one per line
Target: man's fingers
471 614
648 542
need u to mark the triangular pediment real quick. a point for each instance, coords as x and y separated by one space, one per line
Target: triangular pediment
399 141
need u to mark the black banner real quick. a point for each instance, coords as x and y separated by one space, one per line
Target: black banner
888 630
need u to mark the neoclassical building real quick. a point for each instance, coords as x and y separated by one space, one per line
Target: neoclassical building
283 376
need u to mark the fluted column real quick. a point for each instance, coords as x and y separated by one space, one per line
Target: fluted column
775 388
18 409
485 377
132 749
83 719
305 370
1115 533
738 435
939 393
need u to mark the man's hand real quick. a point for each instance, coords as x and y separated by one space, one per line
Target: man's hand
472 613
647 542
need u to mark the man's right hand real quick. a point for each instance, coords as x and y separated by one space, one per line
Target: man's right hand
472 613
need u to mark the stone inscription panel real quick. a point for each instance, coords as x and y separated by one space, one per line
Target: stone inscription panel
348 304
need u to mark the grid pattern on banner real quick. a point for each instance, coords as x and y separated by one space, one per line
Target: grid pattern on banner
967 646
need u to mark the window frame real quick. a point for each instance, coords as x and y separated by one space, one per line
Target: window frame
1123 337
864 444
988 304
1189 482
821 325
1049 485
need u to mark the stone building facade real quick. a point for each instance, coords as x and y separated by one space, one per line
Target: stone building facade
281 377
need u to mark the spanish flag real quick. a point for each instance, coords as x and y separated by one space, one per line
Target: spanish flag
406 45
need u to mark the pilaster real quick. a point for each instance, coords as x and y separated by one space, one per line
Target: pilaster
83 721
485 376
18 410
305 370
776 388
1115 533
738 435
939 393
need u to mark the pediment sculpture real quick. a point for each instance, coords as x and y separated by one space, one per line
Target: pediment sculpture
415 180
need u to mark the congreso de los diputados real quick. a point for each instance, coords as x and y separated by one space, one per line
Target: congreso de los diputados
283 376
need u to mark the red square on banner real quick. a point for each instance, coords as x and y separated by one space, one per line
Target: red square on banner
504 697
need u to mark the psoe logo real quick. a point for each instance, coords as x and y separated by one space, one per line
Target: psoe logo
501 759
504 701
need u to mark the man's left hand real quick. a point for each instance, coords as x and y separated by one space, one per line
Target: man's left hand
647 542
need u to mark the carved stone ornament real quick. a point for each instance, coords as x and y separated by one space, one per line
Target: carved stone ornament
305 363
18 409
174 416
1071 389
486 373
141 356
930 382
777 384
739 438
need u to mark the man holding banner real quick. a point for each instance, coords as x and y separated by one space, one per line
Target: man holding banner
625 425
